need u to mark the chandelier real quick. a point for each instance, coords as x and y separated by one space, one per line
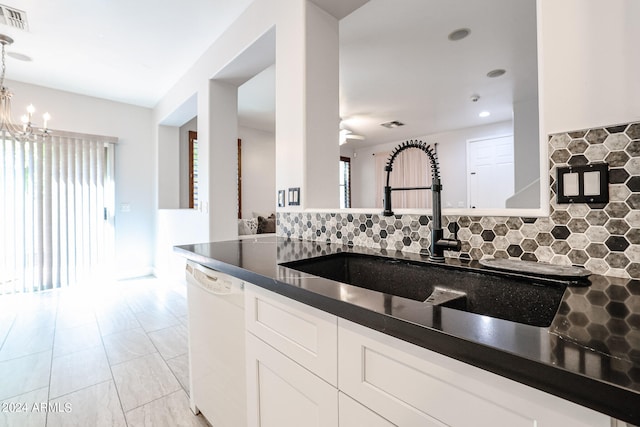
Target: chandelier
25 131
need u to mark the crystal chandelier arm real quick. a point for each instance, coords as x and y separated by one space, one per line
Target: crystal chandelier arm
7 126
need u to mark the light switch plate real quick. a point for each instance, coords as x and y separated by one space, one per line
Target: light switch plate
583 184
294 196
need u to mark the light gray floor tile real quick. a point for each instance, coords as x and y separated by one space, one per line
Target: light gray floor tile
143 303
25 374
142 380
117 320
71 317
24 339
169 411
78 370
177 305
6 321
36 310
180 367
97 405
74 339
20 411
127 345
70 365
171 342
155 320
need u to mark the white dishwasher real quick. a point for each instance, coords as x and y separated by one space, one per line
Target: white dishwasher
216 346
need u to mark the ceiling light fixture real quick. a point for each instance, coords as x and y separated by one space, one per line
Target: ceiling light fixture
484 114
7 127
393 124
459 34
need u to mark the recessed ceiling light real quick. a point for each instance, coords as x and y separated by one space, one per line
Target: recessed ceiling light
459 34
19 56
496 73
393 124
484 114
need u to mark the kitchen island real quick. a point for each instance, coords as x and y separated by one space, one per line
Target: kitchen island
590 354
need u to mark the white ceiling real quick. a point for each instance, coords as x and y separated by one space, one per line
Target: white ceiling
396 62
127 51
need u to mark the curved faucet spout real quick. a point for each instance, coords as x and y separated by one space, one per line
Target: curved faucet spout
438 243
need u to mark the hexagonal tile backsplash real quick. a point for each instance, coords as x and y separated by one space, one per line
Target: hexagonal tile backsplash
603 238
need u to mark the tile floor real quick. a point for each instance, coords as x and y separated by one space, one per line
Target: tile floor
103 355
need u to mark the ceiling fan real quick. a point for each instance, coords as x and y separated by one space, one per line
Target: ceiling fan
347 134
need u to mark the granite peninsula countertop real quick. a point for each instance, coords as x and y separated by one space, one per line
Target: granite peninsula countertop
590 354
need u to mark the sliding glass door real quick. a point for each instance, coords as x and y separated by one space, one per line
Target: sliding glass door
56 221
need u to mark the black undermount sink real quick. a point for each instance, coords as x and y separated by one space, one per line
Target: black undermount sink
511 297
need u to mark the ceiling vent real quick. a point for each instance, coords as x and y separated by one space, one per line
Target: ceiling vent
13 17
393 124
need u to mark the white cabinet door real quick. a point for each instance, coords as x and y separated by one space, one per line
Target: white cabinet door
282 393
354 414
305 334
411 386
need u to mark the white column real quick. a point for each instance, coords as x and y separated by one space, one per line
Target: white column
322 110
307 110
223 161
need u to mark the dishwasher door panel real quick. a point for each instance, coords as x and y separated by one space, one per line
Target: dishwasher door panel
217 346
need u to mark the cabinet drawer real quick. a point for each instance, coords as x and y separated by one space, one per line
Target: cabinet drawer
281 393
305 334
411 386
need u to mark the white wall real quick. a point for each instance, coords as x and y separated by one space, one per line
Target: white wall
526 145
590 63
451 154
258 171
589 75
177 227
168 167
255 22
134 166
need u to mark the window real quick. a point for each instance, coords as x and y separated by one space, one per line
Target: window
345 182
193 169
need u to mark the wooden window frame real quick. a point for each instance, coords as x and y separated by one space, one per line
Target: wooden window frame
348 189
193 137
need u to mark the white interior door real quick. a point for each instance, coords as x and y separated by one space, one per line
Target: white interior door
490 171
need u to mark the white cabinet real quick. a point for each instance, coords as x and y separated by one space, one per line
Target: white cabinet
281 393
305 334
306 367
292 358
411 386
354 414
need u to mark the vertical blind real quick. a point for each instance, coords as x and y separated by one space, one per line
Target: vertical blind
54 224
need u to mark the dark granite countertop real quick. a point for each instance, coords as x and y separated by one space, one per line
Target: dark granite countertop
590 354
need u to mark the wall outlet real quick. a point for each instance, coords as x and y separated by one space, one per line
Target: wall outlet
125 207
